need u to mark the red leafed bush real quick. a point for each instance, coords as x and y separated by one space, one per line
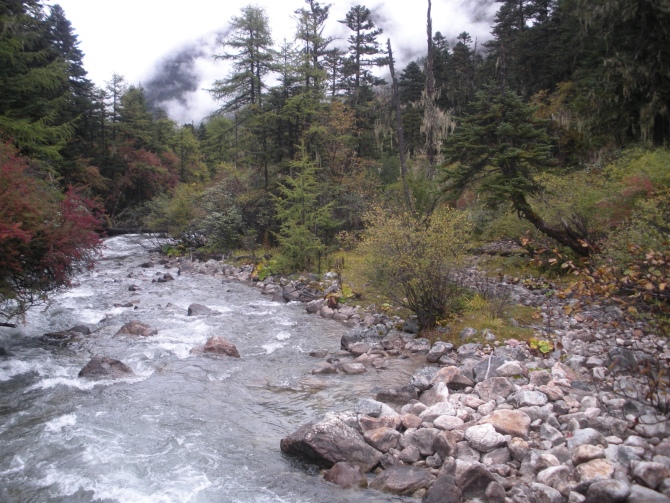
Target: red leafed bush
45 237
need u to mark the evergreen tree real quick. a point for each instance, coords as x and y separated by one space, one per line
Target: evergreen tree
499 148
33 82
252 58
303 219
364 52
311 23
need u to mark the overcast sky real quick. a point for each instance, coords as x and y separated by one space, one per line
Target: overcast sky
142 39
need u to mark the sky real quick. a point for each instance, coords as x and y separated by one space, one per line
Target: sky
168 47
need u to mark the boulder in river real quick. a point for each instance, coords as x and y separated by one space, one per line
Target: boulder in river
329 441
346 475
103 367
199 309
137 328
218 346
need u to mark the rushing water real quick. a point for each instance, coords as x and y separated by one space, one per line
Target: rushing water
184 428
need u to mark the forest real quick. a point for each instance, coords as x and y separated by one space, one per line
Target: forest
553 133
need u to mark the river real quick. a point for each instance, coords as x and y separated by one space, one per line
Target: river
184 428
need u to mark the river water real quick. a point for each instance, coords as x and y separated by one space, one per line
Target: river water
184 428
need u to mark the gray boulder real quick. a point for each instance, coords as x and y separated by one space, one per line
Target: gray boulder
329 441
402 480
100 367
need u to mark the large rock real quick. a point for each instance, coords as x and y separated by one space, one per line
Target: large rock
137 328
444 490
383 438
509 422
346 475
329 441
397 394
100 367
403 480
198 309
218 346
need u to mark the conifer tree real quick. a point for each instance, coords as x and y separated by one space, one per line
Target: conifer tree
252 57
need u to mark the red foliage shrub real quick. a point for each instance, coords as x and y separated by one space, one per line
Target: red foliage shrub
45 237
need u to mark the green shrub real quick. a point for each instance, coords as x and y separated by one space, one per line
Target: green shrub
413 260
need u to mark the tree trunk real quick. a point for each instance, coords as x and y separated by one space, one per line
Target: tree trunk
429 107
579 245
399 127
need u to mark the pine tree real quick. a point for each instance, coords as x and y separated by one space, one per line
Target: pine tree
499 148
364 52
311 24
33 80
252 57
303 219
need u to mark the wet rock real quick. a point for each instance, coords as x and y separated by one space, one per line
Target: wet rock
324 368
383 439
80 329
367 423
100 367
329 441
402 480
444 490
137 328
219 346
397 394
198 310
346 475
353 368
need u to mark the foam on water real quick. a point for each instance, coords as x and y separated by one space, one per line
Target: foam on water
282 336
11 368
182 486
17 465
272 347
56 425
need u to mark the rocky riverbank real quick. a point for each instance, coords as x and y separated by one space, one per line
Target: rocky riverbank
495 422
